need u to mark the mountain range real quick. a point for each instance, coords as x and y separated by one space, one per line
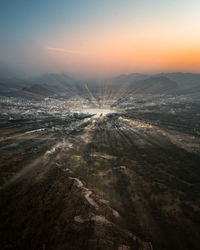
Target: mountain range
61 85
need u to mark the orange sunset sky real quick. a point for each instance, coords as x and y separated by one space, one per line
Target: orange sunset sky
101 37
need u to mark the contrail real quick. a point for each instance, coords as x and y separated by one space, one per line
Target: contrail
63 50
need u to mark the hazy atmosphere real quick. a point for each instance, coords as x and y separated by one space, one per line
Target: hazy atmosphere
99 125
102 38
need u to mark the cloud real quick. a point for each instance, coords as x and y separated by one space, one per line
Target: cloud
61 50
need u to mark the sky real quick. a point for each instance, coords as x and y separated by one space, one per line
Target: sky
99 37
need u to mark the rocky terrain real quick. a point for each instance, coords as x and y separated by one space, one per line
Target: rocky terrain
112 164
